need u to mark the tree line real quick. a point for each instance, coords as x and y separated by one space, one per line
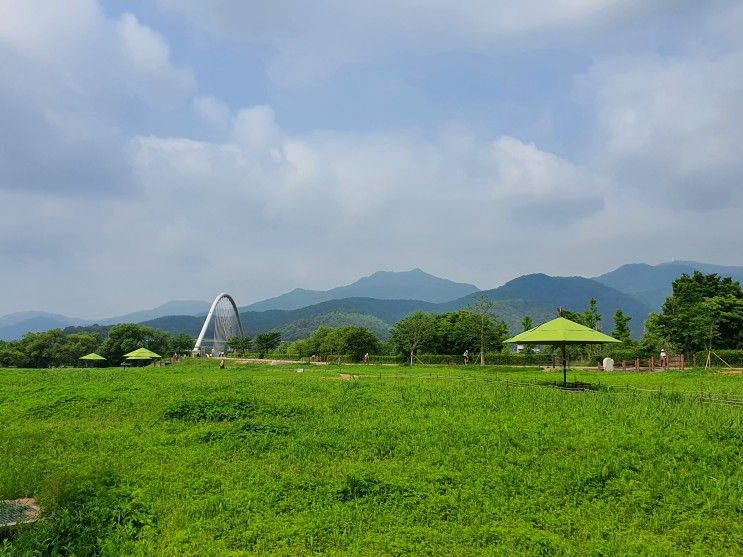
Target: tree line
703 312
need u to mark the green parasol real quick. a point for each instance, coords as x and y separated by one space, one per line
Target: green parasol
142 354
92 356
561 332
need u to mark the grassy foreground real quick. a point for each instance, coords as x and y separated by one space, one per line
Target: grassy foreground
192 460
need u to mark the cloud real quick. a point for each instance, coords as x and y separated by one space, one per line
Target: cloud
72 80
671 127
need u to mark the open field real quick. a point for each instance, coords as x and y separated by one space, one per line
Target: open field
191 460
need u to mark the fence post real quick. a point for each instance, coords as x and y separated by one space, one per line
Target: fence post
652 363
681 362
637 364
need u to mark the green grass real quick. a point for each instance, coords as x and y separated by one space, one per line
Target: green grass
191 460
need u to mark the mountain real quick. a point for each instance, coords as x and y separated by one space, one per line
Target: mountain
303 328
175 307
35 324
536 295
651 284
542 295
382 285
387 311
21 316
15 325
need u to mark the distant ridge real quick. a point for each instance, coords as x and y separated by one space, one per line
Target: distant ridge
382 285
651 284
546 294
175 307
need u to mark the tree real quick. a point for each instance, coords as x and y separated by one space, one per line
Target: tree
240 344
491 331
266 342
358 341
182 343
621 327
651 341
411 332
526 323
591 316
11 354
125 337
703 311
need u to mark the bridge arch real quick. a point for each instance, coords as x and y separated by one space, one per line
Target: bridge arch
226 319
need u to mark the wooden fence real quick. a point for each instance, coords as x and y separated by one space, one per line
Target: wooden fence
677 362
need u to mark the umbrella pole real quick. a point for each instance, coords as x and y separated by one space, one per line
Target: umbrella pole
564 367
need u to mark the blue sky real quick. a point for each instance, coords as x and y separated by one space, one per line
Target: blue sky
172 149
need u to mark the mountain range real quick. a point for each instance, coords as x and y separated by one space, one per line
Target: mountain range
382 285
651 284
381 299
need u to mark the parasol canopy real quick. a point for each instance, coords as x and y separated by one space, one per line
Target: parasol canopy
561 332
92 356
142 354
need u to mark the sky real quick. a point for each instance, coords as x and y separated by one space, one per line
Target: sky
157 150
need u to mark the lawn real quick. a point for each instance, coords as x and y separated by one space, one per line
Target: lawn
192 460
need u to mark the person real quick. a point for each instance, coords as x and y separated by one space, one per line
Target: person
366 358
466 357
663 357
221 363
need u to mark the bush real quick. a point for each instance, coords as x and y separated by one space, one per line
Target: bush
513 359
627 354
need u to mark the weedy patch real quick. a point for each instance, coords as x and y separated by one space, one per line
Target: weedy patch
214 410
97 517
244 431
68 407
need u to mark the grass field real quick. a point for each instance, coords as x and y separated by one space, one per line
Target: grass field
191 460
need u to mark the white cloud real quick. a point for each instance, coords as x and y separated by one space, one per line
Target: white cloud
73 82
215 112
672 127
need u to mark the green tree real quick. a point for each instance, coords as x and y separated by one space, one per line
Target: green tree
526 323
591 316
182 343
11 354
358 341
412 332
240 344
125 337
652 340
490 330
621 327
267 342
702 311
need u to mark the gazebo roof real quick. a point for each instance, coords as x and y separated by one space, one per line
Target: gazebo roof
561 331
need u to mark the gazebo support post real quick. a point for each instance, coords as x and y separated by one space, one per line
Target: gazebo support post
564 366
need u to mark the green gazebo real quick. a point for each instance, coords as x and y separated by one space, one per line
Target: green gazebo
142 354
92 357
561 332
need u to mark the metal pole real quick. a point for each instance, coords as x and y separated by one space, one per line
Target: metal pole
564 367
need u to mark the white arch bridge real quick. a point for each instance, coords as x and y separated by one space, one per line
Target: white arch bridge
221 324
